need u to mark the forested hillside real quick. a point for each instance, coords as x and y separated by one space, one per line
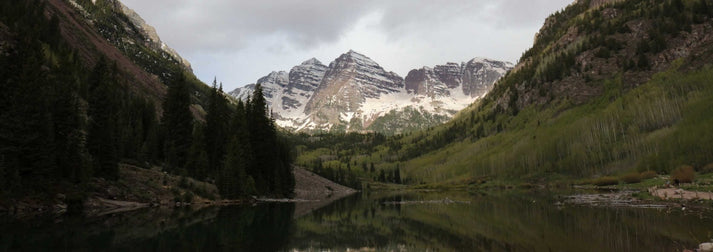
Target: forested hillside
63 127
606 89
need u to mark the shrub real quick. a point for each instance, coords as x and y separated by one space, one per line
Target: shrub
707 168
175 192
605 181
183 183
683 174
631 178
188 197
648 175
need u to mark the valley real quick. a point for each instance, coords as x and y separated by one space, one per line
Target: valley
598 138
555 117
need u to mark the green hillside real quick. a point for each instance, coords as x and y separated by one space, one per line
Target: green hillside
605 89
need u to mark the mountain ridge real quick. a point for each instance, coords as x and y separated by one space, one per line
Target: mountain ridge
91 46
602 91
354 92
154 39
608 89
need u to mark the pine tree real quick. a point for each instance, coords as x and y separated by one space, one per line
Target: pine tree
197 164
26 128
102 113
701 10
73 158
42 120
150 147
233 181
217 123
177 123
272 170
262 140
678 4
285 184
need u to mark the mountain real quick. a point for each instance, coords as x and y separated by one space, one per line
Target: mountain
288 93
152 40
354 93
108 29
608 88
474 78
89 90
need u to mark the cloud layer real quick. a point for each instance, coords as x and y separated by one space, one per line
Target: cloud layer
239 41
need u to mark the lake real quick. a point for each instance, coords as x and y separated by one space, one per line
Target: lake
433 221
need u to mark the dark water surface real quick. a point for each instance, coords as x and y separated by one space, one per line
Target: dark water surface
381 221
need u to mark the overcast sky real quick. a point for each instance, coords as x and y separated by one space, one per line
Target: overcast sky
239 41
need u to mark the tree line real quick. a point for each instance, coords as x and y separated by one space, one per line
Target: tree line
238 148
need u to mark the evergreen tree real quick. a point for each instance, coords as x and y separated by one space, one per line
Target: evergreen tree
150 147
135 122
26 128
42 120
197 164
272 169
233 181
678 5
177 124
262 140
70 120
217 123
102 112
285 180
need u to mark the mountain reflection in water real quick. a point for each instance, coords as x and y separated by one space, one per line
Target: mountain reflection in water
455 221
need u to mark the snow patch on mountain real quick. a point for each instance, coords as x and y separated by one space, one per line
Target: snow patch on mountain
354 91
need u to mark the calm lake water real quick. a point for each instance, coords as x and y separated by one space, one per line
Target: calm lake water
382 221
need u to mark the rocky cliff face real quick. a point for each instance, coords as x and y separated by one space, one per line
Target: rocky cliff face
127 31
354 93
303 81
287 94
148 31
349 81
473 78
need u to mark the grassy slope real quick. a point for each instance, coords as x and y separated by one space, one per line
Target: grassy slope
659 125
550 121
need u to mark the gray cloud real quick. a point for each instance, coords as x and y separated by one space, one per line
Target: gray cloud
219 25
407 16
242 40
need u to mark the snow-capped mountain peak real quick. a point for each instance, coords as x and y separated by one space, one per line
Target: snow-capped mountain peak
354 93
